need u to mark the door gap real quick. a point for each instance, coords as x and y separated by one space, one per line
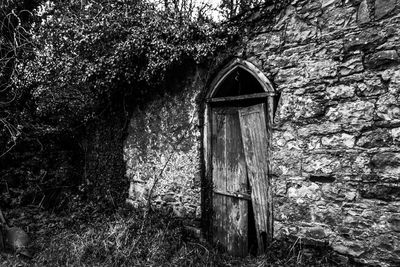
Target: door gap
252 233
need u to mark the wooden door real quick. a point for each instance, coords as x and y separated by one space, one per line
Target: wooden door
253 125
230 186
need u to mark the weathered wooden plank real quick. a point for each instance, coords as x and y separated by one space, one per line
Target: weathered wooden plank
229 181
255 141
219 177
240 97
237 209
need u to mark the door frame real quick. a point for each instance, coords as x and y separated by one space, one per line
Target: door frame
267 97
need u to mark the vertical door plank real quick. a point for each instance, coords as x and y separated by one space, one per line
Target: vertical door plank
219 177
229 176
253 126
237 208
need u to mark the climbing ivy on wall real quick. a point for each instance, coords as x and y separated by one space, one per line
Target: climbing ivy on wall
82 55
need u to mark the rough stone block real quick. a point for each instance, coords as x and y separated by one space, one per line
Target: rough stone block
394 77
310 7
316 232
340 91
322 128
329 217
386 159
394 222
388 107
280 188
322 69
281 164
292 77
381 58
349 248
312 192
352 65
371 86
366 40
383 7
294 212
328 3
376 138
395 132
331 191
351 112
299 107
337 141
380 191
313 143
363 13
297 31
337 17
264 42
316 164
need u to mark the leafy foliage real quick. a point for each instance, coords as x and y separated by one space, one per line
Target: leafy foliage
84 55
14 38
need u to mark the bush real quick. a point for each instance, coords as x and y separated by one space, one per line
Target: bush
84 55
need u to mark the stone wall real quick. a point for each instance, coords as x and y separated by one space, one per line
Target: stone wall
336 153
336 135
162 150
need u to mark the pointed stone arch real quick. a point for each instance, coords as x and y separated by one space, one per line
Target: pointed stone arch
236 64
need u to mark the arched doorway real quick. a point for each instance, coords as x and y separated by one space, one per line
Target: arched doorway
238 115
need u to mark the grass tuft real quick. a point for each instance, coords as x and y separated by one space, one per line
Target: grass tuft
128 238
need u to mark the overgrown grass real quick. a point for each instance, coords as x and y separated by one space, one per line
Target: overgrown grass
128 238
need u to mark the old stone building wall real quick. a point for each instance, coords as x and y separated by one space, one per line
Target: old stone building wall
336 155
162 150
336 133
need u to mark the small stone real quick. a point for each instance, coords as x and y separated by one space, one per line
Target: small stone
327 3
395 223
386 159
381 192
350 196
321 164
342 140
349 248
381 58
375 138
351 66
383 7
363 13
394 85
386 75
388 108
310 192
351 112
316 232
396 134
340 91
365 40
